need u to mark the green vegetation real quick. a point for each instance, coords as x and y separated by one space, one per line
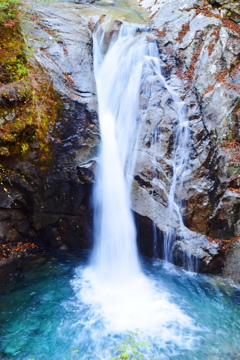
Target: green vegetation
132 349
8 10
28 102
12 47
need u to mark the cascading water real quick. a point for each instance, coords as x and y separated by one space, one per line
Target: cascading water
181 151
114 284
179 164
118 68
118 76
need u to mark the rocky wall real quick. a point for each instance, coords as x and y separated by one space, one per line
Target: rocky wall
49 136
199 51
48 167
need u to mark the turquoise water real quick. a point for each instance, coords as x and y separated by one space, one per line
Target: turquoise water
45 316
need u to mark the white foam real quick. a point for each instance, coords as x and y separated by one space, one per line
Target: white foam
123 306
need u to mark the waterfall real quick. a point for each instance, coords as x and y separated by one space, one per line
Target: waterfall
180 159
117 293
118 67
180 168
121 54
180 173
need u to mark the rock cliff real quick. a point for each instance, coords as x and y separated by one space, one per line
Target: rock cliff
47 178
198 46
49 134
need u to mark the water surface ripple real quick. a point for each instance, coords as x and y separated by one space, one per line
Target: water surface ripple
45 315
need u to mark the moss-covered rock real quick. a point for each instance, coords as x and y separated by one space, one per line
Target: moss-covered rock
28 108
48 133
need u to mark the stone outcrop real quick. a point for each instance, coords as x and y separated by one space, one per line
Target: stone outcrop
46 180
62 42
200 59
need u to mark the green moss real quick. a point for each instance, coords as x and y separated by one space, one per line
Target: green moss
8 10
28 102
29 127
233 169
12 47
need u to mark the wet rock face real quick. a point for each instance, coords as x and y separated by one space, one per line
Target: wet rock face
47 199
62 212
62 41
200 59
